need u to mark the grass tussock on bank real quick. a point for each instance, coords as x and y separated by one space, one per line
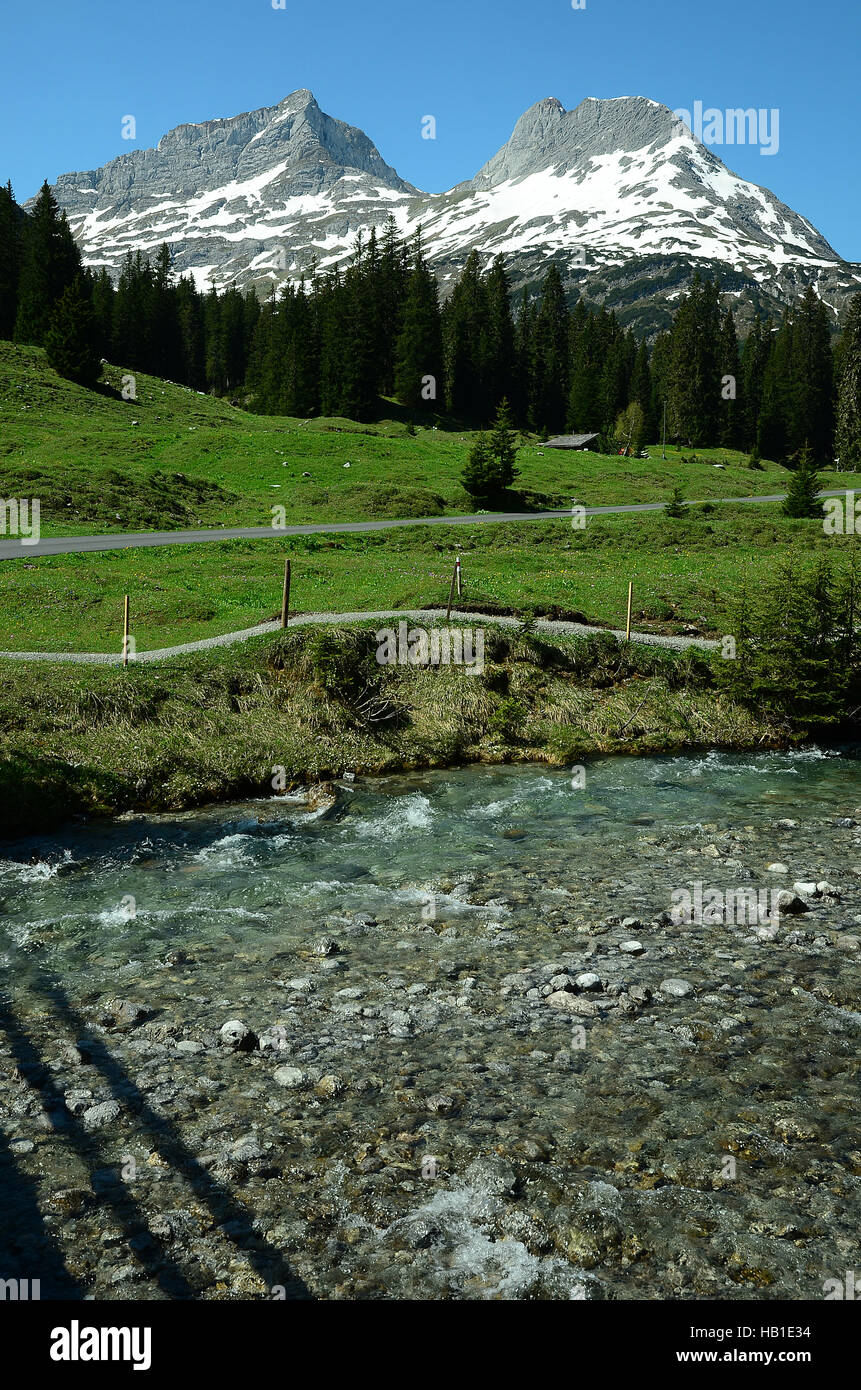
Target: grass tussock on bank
100 741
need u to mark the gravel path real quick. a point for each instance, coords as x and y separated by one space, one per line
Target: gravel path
418 615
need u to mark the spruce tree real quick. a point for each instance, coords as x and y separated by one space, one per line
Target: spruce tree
524 335
773 429
490 468
729 370
847 443
479 474
50 262
550 356
754 356
71 346
694 379
641 392
10 260
418 353
464 337
801 499
500 349
584 396
501 446
810 413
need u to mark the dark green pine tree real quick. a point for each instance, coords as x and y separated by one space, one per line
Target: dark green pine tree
729 369
189 312
754 356
811 411
50 261
502 447
772 436
71 344
550 356
584 397
694 385
359 396
301 364
11 218
464 340
162 328
641 391
500 361
491 466
215 367
479 474
524 341
616 379
804 484
847 443
660 365
328 296
103 311
418 356
131 344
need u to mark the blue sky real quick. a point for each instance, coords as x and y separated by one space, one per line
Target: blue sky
73 70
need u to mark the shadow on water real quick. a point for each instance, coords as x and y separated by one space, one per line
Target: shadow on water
32 1244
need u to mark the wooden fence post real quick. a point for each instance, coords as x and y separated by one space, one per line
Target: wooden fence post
451 591
285 597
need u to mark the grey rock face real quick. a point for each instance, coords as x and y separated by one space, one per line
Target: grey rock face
602 189
549 136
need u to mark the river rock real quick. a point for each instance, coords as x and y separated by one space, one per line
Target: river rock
235 1034
291 1077
100 1115
676 989
588 981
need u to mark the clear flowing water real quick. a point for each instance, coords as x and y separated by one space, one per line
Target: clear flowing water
271 871
448 1133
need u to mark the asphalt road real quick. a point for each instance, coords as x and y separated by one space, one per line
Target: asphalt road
136 540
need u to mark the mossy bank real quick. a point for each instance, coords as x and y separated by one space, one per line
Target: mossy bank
310 705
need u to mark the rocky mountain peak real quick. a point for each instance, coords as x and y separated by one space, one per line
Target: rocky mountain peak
547 136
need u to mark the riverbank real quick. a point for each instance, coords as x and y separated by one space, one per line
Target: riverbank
305 706
443 1039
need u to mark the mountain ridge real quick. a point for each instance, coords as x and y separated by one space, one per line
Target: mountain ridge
602 189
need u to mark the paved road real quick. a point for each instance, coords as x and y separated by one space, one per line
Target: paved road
417 615
72 545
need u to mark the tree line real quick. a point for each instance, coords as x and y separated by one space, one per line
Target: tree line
339 341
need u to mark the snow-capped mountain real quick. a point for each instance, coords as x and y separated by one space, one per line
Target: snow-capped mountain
622 195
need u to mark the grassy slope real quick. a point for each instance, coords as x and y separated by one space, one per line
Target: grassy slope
216 725
689 571
193 460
